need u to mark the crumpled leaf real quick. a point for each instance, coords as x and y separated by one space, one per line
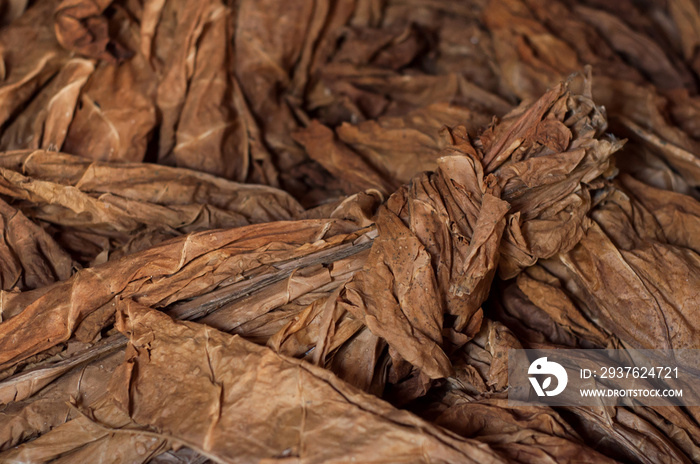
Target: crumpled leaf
207 407
526 434
116 112
24 70
647 56
342 104
646 306
639 113
473 403
351 168
562 301
547 157
539 309
419 270
265 57
174 270
438 247
85 438
81 27
200 101
555 38
25 418
29 257
389 151
117 201
45 121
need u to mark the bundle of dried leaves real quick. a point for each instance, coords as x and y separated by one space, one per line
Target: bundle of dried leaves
311 230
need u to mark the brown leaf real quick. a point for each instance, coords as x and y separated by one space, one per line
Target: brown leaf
45 121
30 257
117 201
81 26
215 406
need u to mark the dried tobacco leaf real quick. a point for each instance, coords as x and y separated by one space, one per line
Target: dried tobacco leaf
85 439
547 157
27 416
386 153
44 122
139 410
266 54
555 39
29 257
117 201
174 270
472 405
394 297
438 244
456 264
301 401
201 99
355 172
81 27
25 70
646 305
649 262
116 113
419 268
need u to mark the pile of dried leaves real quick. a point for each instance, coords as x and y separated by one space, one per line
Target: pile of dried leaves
311 230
